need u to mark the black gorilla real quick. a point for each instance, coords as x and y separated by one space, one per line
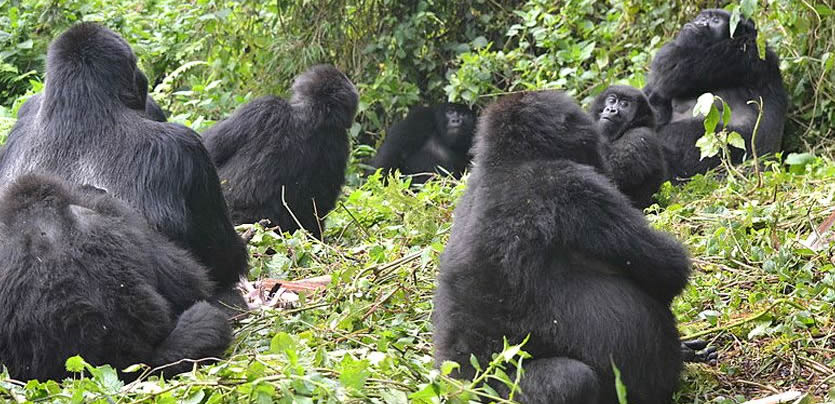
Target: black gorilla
83 274
544 244
430 139
91 128
635 154
704 58
297 149
152 110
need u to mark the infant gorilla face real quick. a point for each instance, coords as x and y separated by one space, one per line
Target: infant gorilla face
617 112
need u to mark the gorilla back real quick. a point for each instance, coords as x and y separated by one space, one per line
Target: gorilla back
82 274
705 58
272 150
91 128
544 244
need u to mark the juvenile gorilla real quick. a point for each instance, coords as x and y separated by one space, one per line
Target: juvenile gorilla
91 128
635 154
83 274
704 58
429 140
543 244
271 150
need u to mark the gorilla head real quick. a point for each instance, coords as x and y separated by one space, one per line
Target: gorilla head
577 138
457 123
329 93
621 108
99 58
713 25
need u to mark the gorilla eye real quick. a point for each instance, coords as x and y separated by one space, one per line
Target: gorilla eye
624 104
715 20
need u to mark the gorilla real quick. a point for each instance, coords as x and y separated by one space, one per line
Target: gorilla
705 58
272 151
84 274
635 155
91 128
430 139
152 110
543 244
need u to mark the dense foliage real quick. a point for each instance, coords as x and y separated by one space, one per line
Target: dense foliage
764 299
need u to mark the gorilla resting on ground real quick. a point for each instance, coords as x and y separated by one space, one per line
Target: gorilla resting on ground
635 154
544 244
704 58
297 148
92 128
83 274
430 139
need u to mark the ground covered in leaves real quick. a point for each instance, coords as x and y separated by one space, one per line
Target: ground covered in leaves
759 293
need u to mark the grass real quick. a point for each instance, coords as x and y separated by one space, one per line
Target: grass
758 294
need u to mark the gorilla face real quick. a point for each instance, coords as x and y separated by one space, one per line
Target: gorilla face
709 26
618 111
456 121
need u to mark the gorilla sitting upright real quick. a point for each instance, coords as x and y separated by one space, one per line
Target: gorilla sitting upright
273 151
91 127
705 58
544 245
82 274
429 140
635 154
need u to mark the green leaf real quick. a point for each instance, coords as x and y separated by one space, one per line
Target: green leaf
748 7
712 119
353 373
734 20
474 363
703 105
620 388
448 366
736 140
761 46
726 113
282 343
708 144
799 159
75 364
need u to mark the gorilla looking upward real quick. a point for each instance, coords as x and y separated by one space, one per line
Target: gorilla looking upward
544 244
91 128
272 150
704 58
635 154
430 139
83 274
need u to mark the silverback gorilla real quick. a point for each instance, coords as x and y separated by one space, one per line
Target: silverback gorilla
83 274
92 128
271 151
635 154
544 244
705 58
429 140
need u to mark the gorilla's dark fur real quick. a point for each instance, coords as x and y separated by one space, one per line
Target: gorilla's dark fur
152 110
83 274
544 244
91 128
704 58
297 147
429 140
635 154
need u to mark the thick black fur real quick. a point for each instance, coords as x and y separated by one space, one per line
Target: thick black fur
152 110
426 141
699 61
83 274
635 154
298 147
544 244
91 128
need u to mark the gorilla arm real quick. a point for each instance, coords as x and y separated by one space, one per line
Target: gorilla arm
561 205
635 157
404 138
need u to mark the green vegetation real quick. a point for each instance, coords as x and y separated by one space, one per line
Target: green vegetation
757 292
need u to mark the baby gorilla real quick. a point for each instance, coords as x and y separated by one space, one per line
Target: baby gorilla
544 245
272 151
429 140
83 274
635 154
